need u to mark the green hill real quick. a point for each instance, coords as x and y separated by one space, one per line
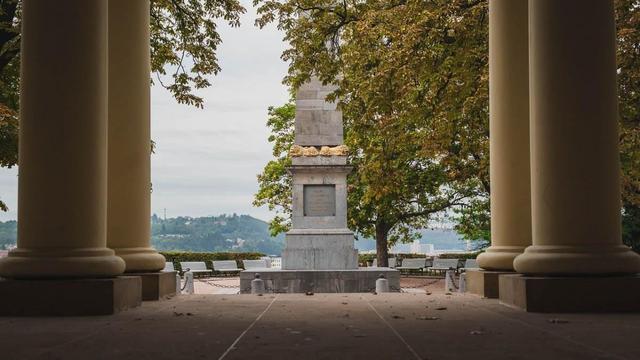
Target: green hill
236 233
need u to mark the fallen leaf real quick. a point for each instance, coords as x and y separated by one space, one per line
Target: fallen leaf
427 318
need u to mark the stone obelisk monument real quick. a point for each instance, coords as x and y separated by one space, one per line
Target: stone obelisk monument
319 253
319 238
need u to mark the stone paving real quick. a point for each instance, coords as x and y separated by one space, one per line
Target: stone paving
431 325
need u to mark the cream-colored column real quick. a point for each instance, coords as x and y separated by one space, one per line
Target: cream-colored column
63 143
129 195
575 162
509 134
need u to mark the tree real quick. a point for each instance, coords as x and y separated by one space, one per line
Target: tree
184 41
437 51
628 56
412 80
275 182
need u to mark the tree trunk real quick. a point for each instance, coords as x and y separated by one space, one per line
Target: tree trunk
382 250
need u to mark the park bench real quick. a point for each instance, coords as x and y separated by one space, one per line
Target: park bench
392 262
412 265
196 267
254 264
442 265
225 267
469 264
168 267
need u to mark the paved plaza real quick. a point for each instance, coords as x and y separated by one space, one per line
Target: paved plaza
430 325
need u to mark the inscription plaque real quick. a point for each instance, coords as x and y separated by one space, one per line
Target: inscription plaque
319 200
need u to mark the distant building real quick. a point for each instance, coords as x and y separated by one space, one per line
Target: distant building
418 248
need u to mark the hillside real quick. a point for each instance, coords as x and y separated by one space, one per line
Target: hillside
236 233
216 233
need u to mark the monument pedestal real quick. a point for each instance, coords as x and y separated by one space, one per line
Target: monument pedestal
69 297
320 281
158 285
606 294
485 283
325 249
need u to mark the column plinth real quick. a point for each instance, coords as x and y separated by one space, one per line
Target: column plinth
509 134
575 161
129 186
63 144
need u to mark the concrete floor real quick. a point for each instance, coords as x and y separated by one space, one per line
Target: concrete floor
324 326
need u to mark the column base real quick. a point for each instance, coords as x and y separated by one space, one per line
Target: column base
571 294
552 260
485 283
499 258
68 297
65 263
158 286
141 260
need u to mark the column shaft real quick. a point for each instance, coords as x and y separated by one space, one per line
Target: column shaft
129 194
574 142
63 143
509 134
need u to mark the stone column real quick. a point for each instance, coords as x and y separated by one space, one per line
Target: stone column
129 185
63 144
509 134
575 162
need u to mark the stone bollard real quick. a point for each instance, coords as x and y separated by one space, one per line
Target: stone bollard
382 284
462 283
188 282
257 285
449 281
178 284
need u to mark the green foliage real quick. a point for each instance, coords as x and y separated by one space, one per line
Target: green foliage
184 41
461 256
214 234
177 256
628 29
367 258
8 234
415 72
275 182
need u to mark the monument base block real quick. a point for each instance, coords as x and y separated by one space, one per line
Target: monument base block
320 281
484 282
319 249
158 285
606 294
69 297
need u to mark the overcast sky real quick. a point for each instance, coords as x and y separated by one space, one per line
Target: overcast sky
206 161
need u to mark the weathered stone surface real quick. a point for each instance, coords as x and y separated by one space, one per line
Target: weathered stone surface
484 283
318 126
319 250
320 281
158 285
69 297
606 294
